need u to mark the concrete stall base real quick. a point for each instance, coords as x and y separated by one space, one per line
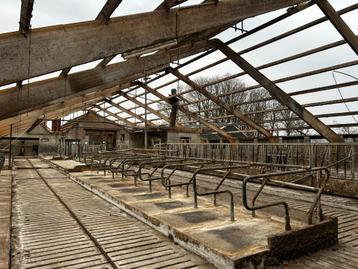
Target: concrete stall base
248 242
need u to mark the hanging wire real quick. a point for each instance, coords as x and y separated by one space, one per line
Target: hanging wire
177 28
339 90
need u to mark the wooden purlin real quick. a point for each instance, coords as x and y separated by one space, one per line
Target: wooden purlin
115 116
190 114
339 24
73 44
278 93
155 112
123 109
220 103
104 16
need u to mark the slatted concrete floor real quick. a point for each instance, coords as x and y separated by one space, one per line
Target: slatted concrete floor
47 235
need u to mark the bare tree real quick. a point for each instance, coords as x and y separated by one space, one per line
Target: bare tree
233 92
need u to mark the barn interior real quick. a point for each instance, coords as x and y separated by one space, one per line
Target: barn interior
179 134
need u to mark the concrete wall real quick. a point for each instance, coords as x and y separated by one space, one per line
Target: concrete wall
76 133
123 138
177 137
27 143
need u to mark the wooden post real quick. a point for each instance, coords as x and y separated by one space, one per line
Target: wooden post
145 120
10 149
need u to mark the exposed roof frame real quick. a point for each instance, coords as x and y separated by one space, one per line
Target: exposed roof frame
217 101
25 16
117 37
104 15
123 109
259 45
190 114
278 93
115 115
339 23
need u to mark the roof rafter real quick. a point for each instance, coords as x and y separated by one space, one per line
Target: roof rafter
107 10
220 103
153 111
278 93
123 109
74 44
25 16
190 114
339 23
115 116
104 16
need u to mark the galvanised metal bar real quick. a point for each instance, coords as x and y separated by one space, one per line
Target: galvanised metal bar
120 167
155 165
166 182
287 155
284 204
196 193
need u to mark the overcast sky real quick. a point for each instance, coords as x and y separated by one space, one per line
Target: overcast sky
52 12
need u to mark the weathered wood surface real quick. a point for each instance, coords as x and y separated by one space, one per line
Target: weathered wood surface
62 46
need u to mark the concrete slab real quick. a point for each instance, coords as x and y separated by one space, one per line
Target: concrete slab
206 230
